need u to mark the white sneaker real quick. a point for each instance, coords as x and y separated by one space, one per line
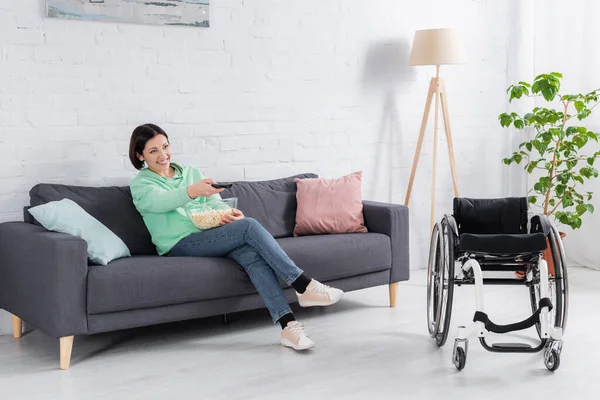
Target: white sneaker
317 294
294 336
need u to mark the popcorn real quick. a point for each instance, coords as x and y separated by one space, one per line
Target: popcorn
210 218
209 214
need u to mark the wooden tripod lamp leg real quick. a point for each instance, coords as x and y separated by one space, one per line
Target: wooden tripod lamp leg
446 114
435 145
393 288
430 95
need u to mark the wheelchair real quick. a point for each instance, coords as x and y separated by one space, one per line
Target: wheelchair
492 237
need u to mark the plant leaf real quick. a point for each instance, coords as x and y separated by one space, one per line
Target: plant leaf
571 130
585 171
571 164
591 160
549 93
505 120
567 201
538 187
536 88
519 124
583 114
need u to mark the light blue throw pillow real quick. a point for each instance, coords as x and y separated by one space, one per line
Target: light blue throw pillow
66 216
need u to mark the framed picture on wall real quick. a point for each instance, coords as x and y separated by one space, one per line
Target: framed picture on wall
157 12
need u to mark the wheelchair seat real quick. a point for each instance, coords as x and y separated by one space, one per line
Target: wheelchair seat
502 243
495 226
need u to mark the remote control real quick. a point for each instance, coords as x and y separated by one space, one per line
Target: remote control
222 185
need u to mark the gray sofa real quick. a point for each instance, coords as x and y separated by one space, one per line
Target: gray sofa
47 281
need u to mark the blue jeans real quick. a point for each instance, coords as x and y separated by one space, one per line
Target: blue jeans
252 246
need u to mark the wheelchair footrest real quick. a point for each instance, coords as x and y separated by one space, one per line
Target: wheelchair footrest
511 346
527 323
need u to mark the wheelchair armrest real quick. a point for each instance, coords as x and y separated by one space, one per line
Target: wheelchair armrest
452 222
541 223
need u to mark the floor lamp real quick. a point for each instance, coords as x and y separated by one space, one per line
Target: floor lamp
435 47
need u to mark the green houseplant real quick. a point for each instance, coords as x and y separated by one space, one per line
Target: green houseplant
556 150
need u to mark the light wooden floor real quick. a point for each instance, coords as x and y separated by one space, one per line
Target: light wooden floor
364 350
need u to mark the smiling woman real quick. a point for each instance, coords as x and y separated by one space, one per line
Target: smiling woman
150 144
163 192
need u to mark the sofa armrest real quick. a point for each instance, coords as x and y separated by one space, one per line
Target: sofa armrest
391 220
43 278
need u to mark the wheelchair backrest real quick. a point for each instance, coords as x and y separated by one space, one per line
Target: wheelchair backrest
488 216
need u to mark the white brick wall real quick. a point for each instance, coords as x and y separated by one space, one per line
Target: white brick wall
272 88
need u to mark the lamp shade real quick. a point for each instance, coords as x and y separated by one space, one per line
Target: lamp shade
437 47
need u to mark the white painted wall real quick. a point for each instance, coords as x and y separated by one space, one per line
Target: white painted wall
272 88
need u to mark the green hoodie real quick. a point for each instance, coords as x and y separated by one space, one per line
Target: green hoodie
162 203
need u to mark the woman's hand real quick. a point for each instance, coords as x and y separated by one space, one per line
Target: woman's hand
234 216
202 188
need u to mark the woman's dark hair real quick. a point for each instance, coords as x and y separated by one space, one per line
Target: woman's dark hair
139 138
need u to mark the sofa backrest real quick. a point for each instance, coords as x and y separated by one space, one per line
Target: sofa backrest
272 203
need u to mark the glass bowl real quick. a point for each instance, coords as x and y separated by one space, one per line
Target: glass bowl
209 215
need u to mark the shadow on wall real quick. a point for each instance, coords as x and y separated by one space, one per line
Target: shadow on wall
385 73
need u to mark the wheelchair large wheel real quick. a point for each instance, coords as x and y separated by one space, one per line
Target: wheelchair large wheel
447 274
558 285
434 289
563 277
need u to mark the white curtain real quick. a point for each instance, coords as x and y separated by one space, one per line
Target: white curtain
555 35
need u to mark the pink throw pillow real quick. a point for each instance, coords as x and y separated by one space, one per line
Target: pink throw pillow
329 205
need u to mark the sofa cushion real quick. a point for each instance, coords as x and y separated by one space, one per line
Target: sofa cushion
272 203
330 205
152 281
66 216
335 256
112 206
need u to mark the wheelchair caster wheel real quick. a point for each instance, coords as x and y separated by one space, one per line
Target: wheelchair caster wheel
552 361
552 355
459 356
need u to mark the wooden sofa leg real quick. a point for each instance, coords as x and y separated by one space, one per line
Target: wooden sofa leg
66 347
17 327
393 293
